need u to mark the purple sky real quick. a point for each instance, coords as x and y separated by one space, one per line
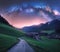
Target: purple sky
26 13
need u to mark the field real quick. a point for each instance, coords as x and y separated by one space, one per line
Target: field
8 37
6 42
44 45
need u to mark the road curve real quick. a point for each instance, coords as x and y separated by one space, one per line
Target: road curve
22 46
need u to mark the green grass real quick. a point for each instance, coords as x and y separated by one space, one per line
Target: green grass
6 42
5 29
8 37
48 31
44 45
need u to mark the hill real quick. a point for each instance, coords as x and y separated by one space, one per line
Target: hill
8 35
5 29
6 42
3 21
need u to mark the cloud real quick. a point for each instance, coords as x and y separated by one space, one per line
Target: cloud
11 11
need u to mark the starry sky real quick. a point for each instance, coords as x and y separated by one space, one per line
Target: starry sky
21 13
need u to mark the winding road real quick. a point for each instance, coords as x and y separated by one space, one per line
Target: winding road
22 46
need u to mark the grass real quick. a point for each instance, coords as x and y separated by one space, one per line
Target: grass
48 31
8 37
5 29
6 42
44 45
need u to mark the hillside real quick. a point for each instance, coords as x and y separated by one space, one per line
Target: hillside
8 35
4 21
6 42
5 29
44 45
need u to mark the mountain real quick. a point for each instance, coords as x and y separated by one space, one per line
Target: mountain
3 21
53 25
30 29
35 28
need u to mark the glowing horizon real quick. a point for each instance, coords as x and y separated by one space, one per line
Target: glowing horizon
22 20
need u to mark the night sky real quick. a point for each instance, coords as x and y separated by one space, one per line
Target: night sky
21 13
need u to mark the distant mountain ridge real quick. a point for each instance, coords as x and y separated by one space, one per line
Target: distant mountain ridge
54 24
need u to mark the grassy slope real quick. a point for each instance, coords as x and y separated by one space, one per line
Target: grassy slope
6 42
5 29
8 36
44 45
